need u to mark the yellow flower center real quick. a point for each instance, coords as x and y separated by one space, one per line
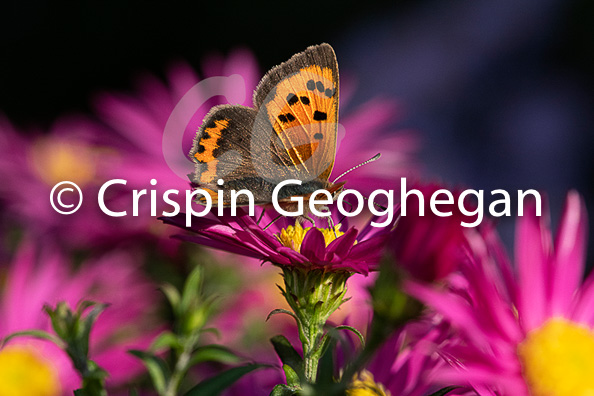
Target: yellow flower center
292 236
56 161
24 372
558 359
364 385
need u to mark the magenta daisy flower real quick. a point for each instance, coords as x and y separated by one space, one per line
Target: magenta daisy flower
39 276
408 362
528 332
140 120
428 247
286 245
30 166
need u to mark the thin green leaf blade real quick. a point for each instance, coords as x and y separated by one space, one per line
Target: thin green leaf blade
444 391
214 353
217 384
287 354
156 367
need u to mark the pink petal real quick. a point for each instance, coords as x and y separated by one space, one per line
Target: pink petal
570 247
531 257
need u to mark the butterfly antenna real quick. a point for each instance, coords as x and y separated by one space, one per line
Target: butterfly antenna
382 207
331 224
374 158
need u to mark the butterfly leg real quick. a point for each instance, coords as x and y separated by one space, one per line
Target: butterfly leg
261 216
331 225
272 222
305 217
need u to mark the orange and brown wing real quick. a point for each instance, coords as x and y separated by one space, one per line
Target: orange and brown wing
299 99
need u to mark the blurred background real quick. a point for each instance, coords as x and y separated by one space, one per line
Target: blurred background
475 94
501 93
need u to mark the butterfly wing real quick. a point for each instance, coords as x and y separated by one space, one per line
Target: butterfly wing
290 134
299 99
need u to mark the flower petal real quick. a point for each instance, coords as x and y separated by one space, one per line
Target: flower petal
570 247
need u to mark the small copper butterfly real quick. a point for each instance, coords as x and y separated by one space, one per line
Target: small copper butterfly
290 133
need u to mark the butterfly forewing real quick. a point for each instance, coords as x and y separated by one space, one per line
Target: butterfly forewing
300 100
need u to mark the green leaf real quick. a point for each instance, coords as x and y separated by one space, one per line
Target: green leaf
357 333
292 377
284 311
82 306
40 334
287 354
326 365
215 385
87 324
192 288
212 331
172 295
213 353
166 339
444 391
283 390
156 367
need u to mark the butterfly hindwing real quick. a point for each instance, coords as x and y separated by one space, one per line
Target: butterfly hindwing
290 134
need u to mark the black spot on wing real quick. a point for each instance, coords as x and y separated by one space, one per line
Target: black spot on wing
320 86
319 116
304 100
292 99
318 136
288 117
311 85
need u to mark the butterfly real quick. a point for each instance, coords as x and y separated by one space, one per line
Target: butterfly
290 133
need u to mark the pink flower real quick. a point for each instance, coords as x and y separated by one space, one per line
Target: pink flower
39 276
428 247
527 332
408 363
284 244
30 166
139 120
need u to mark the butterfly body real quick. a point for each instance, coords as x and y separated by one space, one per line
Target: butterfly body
290 133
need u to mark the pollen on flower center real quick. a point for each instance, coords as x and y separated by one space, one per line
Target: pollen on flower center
364 384
558 359
24 372
57 161
292 236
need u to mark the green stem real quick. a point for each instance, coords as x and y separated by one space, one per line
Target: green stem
313 296
181 367
312 348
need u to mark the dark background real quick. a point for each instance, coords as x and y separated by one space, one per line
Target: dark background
500 91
